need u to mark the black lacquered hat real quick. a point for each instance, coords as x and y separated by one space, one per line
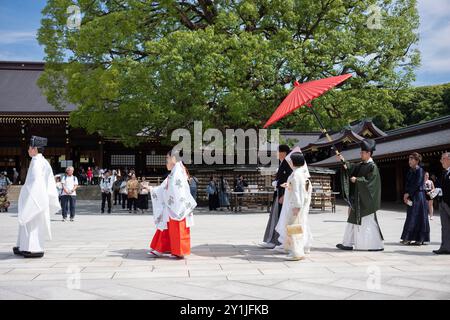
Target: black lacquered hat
38 142
368 145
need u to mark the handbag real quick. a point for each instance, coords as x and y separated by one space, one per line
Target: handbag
433 194
294 229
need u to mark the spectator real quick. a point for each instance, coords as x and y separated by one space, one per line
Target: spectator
15 176
416 230
4 181
114 176
83 177
429 191
445 206
89 175
106 186
123 192
59 187
101 174
224 190
69 194
4 187
116 189
213 197
239 186
193 186
144 189
96 175
133 192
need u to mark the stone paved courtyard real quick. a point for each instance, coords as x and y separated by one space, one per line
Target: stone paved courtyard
104 257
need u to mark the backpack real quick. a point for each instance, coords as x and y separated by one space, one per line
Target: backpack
116 185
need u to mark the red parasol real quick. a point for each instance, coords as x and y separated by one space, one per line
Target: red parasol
303 94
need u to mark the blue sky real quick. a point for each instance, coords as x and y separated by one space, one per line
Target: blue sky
19 20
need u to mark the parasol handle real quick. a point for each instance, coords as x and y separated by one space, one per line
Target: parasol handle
335 149
325 132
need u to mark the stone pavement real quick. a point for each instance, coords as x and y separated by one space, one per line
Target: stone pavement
104 257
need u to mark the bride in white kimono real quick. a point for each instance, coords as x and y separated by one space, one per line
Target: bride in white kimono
38 199
293 226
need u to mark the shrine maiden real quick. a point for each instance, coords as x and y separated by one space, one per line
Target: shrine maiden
173 207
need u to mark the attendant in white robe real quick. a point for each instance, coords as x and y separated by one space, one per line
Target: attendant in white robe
173 207
38 199
293 226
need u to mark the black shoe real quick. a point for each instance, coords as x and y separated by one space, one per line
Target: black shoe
342 247
17 251
440 251
28 254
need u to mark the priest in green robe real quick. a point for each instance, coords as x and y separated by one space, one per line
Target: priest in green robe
361 186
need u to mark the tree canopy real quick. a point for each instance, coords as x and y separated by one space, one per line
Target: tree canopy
424 103
160 65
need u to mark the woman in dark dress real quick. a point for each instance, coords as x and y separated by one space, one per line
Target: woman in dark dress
213 194
416 230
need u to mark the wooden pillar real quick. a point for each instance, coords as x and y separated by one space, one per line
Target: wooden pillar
100 154
139 163
67 143
23 160
399 181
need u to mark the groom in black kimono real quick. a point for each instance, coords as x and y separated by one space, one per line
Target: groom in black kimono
283 173
361 187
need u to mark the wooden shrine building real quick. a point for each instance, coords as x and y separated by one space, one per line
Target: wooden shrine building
24 111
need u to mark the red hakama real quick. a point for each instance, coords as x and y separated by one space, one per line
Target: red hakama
176 239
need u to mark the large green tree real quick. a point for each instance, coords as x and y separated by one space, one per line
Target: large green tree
424 103
160 65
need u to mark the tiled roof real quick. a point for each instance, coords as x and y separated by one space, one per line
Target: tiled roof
19 92
399 145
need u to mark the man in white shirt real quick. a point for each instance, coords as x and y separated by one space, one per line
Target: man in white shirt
106 185
69 194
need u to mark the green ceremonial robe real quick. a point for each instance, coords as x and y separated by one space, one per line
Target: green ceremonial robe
364 196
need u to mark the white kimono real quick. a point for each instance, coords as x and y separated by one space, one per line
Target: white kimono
38 199
364 237
296 196
173 199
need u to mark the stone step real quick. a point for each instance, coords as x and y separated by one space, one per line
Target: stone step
89 193
13 193
83 193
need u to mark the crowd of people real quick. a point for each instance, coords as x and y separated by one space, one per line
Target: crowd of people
117 188
287 229
4 186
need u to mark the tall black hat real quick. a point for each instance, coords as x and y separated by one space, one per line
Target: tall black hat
38 142
284 148
368 145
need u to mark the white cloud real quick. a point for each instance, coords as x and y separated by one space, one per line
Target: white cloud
434 35
11 37
435 8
